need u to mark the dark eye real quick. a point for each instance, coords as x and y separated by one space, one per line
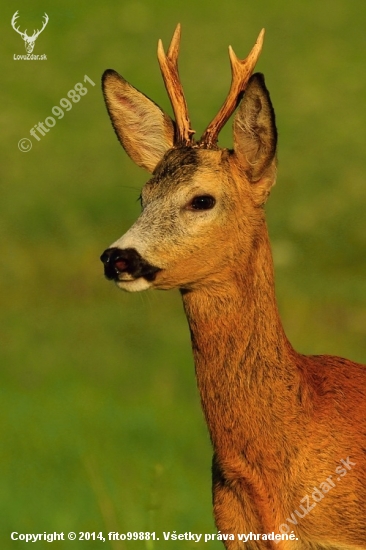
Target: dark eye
202 202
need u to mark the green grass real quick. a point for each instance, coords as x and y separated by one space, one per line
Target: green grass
101 424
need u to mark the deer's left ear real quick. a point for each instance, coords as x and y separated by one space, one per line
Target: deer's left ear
255 138
144 130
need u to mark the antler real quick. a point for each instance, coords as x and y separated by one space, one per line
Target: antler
37 33
13 21
241 71
169 70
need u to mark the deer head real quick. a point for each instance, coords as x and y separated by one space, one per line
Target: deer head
28 40
202 207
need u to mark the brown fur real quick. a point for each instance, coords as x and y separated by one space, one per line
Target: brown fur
280 422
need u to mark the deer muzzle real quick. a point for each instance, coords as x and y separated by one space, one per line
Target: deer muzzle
127 264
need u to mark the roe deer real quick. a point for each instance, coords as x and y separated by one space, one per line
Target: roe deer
285 427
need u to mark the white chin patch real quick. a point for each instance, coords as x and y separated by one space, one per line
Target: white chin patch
135 285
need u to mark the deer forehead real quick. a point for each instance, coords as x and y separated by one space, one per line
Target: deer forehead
186 172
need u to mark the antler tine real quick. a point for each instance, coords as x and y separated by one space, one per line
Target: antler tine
38 32
241 71
14 21
169 70
14 18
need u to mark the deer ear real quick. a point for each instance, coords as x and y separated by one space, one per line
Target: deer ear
255 136
143 129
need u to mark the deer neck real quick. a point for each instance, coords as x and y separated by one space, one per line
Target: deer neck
244 362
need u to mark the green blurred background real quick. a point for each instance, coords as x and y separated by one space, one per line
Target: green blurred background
101 427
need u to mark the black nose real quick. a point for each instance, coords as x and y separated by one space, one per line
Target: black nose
117 261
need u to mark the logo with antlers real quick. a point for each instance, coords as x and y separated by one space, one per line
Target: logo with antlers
29 41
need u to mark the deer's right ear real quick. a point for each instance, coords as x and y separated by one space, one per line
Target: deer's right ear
143 129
